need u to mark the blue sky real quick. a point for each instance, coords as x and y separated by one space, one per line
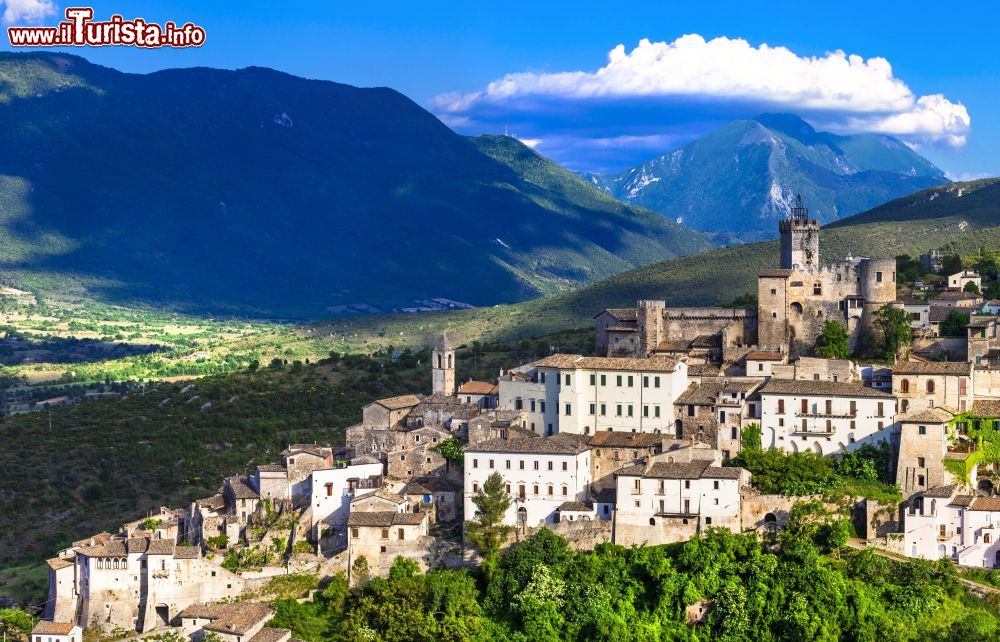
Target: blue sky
940 95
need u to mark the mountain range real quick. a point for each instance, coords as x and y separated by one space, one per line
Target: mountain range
734 182
255 192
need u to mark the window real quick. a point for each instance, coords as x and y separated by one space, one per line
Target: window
475 488
854 407
708 521
656 382
645 411
565 491
550 465
920 480
715 484
536 465
329 490
733 432
781 406
922 430
930 387
760 367
773 291
805 406
630 410
520 464
817 289
630 381
385 533
687 483
541 377
593 408
568 380
551 492
534 489
402 534
604 380
829 406
593 380
475 463
690 410
618 380
604 409
519 404
569 409
532 405
921 462
541 406
656 411
878 277
881 409
645 381
354 533
491 464
904 386
565 466
618 411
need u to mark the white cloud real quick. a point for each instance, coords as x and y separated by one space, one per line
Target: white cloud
849 92
27 11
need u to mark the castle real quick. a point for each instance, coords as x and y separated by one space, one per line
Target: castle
794 301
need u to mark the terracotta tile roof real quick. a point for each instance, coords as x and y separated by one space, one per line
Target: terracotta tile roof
160 547
239 618
932 368
577 506
697 469
562 444
723 472
622 314
674 345
381 493
986 407
938 313
703 370
187 552
941 491
383 518
935 415
703 394
827 388
571 361
48 627
399 402
100 538
240 488
621 439
57 563
765 356
430 485
985 504
473 387
214 502
956 296
268 634
962 500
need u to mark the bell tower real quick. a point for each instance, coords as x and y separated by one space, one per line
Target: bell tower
799 238
443 367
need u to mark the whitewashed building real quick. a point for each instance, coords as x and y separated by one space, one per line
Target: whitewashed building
948 523
579 395
334 488
826 417
540 475
665 502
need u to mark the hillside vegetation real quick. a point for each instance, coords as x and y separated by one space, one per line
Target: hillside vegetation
257 193
960 217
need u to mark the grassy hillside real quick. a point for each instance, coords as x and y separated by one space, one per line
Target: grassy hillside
257 193
962 217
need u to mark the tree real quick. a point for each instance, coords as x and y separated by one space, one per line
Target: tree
893 325
832 341
16 624
403 568
450 449
955 324
487 531
750 437
951 264
970 286
360 571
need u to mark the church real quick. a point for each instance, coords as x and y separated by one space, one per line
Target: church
794 301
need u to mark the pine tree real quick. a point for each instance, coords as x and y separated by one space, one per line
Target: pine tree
488 532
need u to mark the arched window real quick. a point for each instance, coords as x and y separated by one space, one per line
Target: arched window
904 385
100 563
796 307
449 360
986 538
930 387
652 521
770 518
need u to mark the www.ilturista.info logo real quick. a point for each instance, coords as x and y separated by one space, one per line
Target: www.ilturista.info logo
79 30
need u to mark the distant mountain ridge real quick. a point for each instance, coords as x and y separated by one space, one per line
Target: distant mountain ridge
734 182
258 193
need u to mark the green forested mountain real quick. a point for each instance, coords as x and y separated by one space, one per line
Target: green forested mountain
736 181
959 217
257 192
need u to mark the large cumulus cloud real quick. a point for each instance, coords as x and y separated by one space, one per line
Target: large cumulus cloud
666 91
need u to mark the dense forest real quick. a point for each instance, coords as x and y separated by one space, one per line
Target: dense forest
801 585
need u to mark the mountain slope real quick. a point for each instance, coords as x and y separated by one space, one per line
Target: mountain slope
737 180
961 217
257 192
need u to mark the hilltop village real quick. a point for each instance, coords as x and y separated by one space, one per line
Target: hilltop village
633 446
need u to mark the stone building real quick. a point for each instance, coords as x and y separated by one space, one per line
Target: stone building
232 622
133 583
333 489
664 503
715 412
381 529
482 393
923 446
612 451
921 384
300 460
794 302
439 497
443 367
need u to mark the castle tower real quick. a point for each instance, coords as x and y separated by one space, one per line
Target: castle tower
799 238
443 367
650 322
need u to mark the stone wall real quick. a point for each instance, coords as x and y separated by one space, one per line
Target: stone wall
581 534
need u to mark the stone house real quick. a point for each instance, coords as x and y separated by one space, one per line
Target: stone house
923 447
136 583
612 451
617 332
961 300
539 475
484 394
826 417
207 518
818 369
300 460
497 424
759 363
716 410
380 536
386 413
234 622
241 500
663 503
983 341
439 497
921 384
919 313
271 482
49 631
413 455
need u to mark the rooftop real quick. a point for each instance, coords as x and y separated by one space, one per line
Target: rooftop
985 504
399 402
932 368
936 415
697 469
621 439
986 407
383 518
237 618
575 361
48 627
562 444
473 387
621 314
765 356
826 388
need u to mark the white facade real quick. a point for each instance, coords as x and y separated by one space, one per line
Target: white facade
825 417
962 528
959 280
334 488
585 395
539 474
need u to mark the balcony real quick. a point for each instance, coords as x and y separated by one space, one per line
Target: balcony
729 401
831 415
944 536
